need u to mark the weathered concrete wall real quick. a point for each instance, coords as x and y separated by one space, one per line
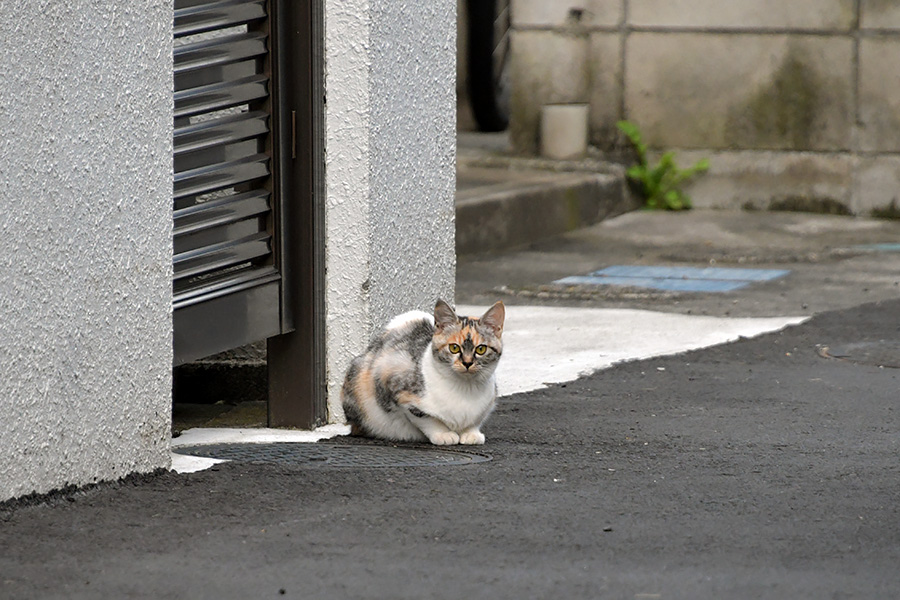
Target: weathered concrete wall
85 249
390 146
770 88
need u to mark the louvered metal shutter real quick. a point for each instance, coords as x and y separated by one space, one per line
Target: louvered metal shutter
226 278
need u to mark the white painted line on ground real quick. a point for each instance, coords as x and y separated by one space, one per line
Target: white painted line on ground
194 437
191 464
549 344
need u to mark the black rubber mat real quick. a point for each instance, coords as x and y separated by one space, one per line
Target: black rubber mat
318 456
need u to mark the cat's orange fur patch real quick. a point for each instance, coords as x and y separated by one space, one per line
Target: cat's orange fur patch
364 386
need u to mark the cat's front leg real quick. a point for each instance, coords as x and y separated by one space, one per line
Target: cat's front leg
443 438
435 430
471 437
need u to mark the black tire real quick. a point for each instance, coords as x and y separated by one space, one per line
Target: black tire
488 62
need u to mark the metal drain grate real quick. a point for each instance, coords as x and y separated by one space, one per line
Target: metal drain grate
318 456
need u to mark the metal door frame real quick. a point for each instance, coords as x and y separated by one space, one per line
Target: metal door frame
296 360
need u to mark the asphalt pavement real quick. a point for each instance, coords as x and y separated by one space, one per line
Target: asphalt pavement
755 469
766 467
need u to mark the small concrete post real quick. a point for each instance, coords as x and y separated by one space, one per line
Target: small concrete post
564 131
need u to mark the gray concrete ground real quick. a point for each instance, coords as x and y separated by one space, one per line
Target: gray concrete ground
756 469
834 262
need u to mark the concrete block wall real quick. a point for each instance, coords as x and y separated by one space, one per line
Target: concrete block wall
793 100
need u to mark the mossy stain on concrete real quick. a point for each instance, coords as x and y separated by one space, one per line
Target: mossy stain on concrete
782 113
573 210
810 204
891 211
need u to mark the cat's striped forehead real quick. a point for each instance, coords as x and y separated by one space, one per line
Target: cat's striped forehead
468 332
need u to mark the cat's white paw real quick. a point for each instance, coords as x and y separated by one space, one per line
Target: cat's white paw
444 438
471 438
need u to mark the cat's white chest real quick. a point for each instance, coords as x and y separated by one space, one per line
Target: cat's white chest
458 402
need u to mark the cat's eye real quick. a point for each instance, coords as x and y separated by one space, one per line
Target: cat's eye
480 349
454 348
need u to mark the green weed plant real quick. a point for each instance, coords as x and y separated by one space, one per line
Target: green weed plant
660 184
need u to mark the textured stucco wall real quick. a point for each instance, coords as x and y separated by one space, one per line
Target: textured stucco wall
390 152
85 241
412 90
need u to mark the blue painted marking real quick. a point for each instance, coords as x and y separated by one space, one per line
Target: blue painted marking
889 247
659 283
676 279
717 273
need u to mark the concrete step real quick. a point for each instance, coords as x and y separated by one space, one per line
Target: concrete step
504 201
497 210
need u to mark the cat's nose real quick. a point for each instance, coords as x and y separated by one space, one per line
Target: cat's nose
468 364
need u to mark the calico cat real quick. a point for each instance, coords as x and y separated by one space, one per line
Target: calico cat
427 378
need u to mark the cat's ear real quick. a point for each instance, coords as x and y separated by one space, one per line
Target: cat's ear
494 317
444 315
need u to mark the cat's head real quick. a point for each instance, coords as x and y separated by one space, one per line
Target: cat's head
470 347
